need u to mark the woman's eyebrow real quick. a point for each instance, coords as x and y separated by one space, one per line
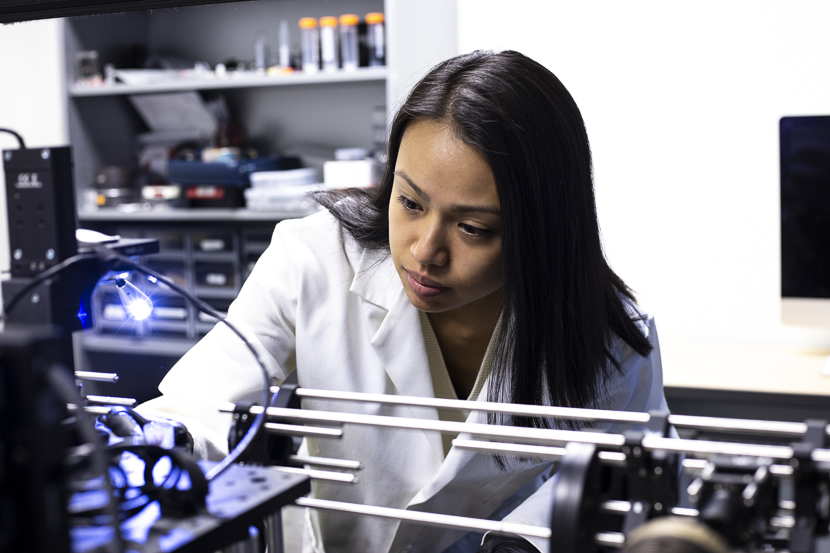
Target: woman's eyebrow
424 196
457 208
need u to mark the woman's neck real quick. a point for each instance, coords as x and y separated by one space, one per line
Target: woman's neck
464 334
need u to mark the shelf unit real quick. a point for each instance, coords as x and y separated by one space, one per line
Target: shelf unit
247 79
279 112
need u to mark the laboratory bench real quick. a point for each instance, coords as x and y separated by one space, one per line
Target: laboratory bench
756 381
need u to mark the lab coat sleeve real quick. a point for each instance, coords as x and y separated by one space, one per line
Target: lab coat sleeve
637 386
221 368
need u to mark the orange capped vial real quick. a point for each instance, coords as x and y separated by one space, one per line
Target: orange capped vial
311 44
348 41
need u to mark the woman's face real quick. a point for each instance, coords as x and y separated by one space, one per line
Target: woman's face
444 222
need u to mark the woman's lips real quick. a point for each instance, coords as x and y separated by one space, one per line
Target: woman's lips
424 286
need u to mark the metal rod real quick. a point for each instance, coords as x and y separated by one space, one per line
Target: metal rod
107 400
326 462
299 430
615 458
700 446
684 512
695 465
770 428
93 409
618 507
340 477
535 435
498 448
782 522
539 436
273 532
610 539
773 428
429 519
569 413
96 376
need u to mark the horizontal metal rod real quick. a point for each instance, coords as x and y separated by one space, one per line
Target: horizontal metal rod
569 413
619 507
107 400
697 465
610 539
429 519
301 431
340 477
782 522
92 409
616 458
98 377
539 436
500 448
708 447
326 462
684 512
770 428
534 435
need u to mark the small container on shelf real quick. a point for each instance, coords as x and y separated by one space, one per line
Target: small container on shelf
348 42
375 39
328 43
311 44
285 46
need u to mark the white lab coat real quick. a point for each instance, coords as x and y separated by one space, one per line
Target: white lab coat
319 303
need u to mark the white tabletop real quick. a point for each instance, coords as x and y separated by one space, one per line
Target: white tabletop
747 367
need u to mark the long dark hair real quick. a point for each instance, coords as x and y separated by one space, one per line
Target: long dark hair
563 304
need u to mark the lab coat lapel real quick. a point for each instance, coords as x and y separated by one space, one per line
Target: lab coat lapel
398 338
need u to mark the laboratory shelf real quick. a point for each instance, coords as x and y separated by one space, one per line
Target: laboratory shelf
146 346
188 215
246 79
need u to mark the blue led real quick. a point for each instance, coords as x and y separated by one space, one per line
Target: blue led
82 315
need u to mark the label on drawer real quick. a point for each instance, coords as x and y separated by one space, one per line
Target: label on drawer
216 279
212 245
170 313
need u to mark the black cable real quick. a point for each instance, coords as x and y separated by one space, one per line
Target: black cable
17 136
49 273
109 256
64 387
247 440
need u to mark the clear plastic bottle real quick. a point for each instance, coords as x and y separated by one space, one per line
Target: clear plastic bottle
261 52
375 39
311 44
285 45
328 43
348 41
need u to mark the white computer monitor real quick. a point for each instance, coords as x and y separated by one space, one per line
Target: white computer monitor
805 221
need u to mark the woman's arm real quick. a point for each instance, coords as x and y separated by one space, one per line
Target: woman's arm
220 368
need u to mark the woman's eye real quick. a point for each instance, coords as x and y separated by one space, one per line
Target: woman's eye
408 204
473 231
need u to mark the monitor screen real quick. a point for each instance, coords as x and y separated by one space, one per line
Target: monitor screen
12 11
805 207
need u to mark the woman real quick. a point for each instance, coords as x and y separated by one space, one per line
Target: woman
474 271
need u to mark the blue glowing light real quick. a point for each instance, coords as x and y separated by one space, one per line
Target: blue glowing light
82 315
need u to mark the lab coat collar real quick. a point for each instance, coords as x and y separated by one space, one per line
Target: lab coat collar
376 281
398 339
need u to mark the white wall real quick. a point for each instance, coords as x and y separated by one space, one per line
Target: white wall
682 102
32 99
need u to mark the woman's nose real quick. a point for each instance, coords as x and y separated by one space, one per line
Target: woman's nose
429 247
